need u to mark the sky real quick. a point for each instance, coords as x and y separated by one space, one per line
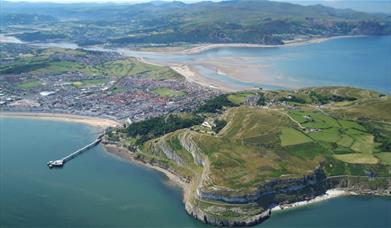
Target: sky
383 6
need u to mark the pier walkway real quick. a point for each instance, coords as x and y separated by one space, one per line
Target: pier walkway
61 162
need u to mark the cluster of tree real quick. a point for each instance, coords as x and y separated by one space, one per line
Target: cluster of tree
321 99
292 98
158 126
219 124
21 68
262 99
215 105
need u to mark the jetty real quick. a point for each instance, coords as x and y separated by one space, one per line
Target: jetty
60 162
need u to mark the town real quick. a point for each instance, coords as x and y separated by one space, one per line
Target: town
91 83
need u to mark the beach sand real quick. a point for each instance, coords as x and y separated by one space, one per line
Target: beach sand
237 68
92 121
192 75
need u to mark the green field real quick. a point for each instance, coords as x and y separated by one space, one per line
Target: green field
349 135
45 62
363 144
29 85
166 92
291 136
239 98
345 141
327 135
385 157
89 82
357 158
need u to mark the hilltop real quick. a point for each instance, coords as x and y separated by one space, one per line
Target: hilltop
162 23
241 154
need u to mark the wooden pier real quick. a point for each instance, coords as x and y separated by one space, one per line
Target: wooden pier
61 162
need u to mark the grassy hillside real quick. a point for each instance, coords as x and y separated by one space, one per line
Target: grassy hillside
281 141
244 21
55 61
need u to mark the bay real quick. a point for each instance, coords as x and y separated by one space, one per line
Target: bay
98 189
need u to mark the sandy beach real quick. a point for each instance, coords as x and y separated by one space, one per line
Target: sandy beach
192 75
330 194
92 121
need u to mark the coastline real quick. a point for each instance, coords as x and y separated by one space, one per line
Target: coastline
330 194
123 153
197 48
100 123
193 75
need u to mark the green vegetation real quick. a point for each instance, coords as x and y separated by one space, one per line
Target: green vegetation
219 124
262 99
291 136
357 158
239 98
216 104
158 126
265 22
89 82
30 85
166 92
385 158
324 99
130 66
255 146
54 61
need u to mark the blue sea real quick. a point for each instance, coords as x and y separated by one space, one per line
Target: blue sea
363 62
97 189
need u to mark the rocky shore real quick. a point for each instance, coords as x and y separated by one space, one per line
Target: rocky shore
310 189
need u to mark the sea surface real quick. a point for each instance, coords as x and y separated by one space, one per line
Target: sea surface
363 62
97 189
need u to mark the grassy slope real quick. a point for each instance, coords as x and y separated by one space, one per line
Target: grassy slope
42 62
258 145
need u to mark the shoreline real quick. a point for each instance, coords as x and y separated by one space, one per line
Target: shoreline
330 194
193 76
97 122
197 48
123 153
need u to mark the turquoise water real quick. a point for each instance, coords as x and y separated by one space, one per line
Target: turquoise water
99 190
95 189
350 211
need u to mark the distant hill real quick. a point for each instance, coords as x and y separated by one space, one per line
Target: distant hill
244 21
